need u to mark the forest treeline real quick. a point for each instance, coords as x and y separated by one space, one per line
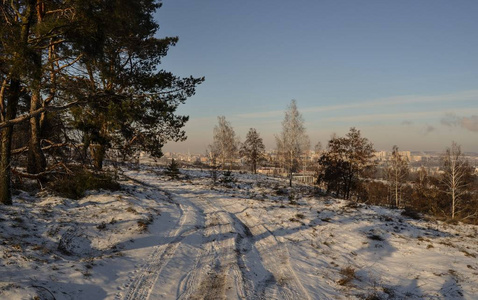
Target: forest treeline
348 168
78 78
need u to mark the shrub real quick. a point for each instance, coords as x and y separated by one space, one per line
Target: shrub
227 177
411 213
375 237
143 224
74 186
348 274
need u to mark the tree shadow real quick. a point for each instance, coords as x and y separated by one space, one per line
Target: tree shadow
451 288
68 290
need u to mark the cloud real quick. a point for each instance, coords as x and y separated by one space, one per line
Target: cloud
429 129
469 123
407 123
385 116
450 120
264 114
382 102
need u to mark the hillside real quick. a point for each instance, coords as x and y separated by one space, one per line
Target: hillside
251 238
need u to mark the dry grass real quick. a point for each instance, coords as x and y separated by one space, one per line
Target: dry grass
348 274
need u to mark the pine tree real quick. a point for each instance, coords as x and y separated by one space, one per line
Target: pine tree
172 170
102 54
136 110
253 149
345 161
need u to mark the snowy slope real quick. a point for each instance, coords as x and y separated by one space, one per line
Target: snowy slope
250 239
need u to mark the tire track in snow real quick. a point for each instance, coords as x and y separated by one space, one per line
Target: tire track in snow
209 277
238 257
255 288
274 255
238 251
148 273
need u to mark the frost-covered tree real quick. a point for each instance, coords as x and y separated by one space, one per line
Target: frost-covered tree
225 144
397 173
293 140
455 178
253 149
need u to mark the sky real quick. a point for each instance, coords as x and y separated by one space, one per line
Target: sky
403 72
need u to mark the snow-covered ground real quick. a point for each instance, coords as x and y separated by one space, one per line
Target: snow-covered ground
251 239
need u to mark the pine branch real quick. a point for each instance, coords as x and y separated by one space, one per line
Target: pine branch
35 113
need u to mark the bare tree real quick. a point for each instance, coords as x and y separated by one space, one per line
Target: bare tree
253 149
455 177
212 153
225 143
293 140
397 173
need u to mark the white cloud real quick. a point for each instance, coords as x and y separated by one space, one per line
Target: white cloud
383 102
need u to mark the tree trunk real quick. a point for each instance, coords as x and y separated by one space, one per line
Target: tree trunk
5 176
98 154
453 198
11 107
290 177
36 158
6 145
396 195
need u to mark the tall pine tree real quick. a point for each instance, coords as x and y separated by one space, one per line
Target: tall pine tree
136 110
102 54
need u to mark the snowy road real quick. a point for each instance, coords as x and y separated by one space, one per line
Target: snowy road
252 238
218 249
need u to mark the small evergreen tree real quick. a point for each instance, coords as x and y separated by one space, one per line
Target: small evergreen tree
172 170
227 177
253 149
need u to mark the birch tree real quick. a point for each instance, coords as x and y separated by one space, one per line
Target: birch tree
397 173
225 142
293 140
456 176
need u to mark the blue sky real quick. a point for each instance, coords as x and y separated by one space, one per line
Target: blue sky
403 72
